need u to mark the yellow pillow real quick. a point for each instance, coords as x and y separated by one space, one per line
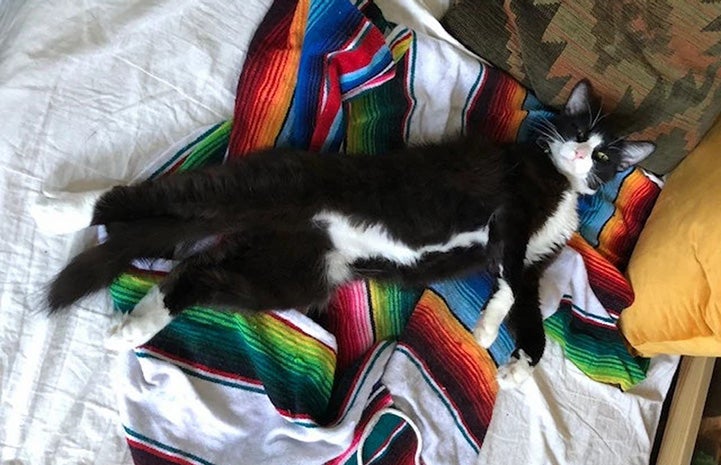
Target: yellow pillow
675 269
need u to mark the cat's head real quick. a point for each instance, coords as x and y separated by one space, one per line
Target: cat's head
582 143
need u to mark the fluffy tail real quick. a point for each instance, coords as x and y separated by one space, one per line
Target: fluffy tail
97 267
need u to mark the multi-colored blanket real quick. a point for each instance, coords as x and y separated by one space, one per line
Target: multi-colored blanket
387 375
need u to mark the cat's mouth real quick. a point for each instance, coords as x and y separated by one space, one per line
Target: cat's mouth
572 158
575 161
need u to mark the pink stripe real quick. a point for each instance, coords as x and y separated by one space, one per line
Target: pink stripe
353 328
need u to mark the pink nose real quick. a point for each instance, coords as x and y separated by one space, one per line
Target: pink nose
580 153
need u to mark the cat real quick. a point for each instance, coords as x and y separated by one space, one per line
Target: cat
283 228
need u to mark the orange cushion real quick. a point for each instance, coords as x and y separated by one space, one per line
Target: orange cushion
675 269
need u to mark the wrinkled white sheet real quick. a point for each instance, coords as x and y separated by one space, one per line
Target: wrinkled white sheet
92 91
89 91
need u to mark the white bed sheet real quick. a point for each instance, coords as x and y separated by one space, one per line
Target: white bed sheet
91 91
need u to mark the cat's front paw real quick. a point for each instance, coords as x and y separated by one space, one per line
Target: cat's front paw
486 330
515 372
146 320
64 212
485 334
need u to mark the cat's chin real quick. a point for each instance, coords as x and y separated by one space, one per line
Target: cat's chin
584 189
579 183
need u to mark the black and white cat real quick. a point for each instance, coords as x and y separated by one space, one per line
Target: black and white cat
283 228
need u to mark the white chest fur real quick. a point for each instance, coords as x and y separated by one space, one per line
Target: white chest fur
557 229
353 242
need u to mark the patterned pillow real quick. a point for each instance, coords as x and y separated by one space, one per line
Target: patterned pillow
657 62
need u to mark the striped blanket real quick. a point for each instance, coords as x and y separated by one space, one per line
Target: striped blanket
387 374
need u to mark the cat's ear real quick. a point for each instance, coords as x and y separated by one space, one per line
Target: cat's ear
633 153
579 101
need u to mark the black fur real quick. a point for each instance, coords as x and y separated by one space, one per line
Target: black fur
271 253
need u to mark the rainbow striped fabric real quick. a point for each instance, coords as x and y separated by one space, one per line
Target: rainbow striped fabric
387 374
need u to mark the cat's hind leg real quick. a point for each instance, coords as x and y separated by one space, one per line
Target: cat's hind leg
64 212
247 272
146 320
254 271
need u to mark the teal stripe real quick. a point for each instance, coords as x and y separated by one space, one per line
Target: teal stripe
471 95
367 370
590 315
388 428
162 446
450 409
244 387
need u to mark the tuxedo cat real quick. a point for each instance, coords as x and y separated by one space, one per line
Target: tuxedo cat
283 228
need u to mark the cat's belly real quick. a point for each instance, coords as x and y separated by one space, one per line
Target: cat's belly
355 242
556 231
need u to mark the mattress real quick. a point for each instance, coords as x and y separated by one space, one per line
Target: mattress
89 94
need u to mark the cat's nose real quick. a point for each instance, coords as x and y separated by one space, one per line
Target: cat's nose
580 153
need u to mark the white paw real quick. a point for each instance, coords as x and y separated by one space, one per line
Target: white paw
515 372
64 212
485 334
145 321
486 330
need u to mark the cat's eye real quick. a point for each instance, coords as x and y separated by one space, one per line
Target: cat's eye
581 135
601 156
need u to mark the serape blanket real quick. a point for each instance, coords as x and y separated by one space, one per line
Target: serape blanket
387 374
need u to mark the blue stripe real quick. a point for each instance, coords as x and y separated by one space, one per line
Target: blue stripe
335 133
595 210
378 63
465 298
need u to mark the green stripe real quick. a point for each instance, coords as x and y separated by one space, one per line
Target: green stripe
180 152
601 360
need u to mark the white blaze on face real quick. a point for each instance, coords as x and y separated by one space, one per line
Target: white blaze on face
575 159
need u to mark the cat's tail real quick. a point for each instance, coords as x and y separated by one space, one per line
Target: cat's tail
97 267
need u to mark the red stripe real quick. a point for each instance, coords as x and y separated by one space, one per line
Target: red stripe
586 319
354 384
456 410
368 412
156 452
267 55
201 367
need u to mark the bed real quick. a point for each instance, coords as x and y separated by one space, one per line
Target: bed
95 94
